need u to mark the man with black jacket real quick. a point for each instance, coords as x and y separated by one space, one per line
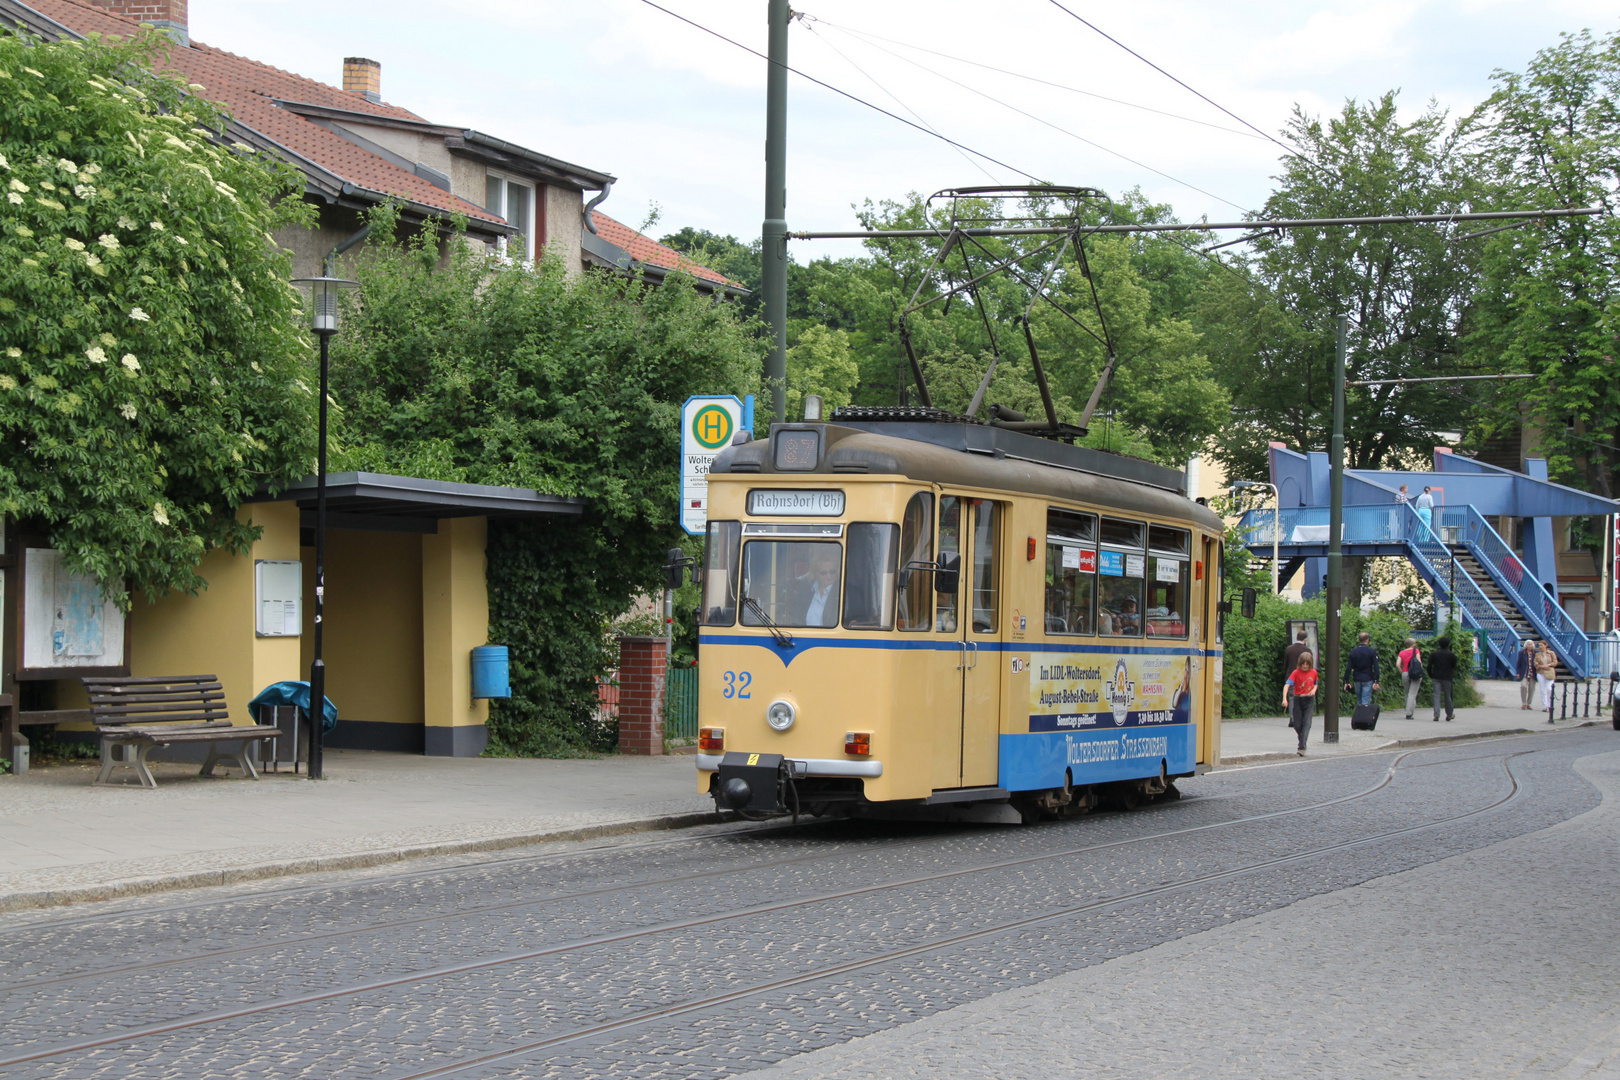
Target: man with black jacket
1442 669
1361 669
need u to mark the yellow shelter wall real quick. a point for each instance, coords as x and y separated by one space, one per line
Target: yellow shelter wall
373 640
455 619
213 632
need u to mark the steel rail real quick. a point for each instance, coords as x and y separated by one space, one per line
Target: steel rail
1203 226
670 1012
444 971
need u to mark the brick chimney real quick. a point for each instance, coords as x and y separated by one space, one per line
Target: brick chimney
168 16
363 77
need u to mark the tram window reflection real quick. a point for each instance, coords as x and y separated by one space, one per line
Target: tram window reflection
795 582
950 550
1120 578
916 546
1168 581
1071 569
720 574
874 552
985 599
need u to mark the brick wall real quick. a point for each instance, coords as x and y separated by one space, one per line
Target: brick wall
643 667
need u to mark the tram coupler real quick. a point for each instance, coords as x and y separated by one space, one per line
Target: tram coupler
752 783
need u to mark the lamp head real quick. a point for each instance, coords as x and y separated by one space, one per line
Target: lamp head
324 293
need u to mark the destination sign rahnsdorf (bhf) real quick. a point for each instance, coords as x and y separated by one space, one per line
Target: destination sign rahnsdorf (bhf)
707 425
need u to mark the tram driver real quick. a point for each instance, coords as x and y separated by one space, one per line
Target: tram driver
815 596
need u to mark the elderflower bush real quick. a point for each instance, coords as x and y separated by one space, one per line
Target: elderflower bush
150 344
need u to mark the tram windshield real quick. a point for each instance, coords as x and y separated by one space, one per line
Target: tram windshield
720 574
794 582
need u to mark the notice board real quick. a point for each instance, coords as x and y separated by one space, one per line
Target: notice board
67 627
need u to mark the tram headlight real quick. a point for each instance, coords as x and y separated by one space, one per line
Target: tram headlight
780 715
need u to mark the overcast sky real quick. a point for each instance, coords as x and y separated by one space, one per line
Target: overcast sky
679 116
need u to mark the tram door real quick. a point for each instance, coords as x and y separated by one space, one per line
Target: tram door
1203 633
968 626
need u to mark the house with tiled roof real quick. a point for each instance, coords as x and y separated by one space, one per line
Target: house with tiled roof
356 151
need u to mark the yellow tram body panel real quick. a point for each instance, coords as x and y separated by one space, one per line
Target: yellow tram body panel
975 687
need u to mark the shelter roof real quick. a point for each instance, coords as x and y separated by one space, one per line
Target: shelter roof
380 502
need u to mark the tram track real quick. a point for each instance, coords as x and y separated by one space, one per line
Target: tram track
443 971
620 888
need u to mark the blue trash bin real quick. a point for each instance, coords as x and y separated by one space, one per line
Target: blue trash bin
491 672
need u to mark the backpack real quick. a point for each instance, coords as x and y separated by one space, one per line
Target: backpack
1414 667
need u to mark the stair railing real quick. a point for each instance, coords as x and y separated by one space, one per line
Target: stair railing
1439 567
1539 607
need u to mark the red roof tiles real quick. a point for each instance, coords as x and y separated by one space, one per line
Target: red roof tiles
646 249
249 90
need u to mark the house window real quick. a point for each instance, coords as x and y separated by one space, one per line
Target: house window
513 200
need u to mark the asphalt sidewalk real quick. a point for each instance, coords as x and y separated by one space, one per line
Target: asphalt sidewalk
64 841
1270 738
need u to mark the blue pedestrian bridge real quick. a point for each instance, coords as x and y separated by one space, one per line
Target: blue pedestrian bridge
1509 596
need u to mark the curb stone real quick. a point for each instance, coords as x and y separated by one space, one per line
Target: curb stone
197 879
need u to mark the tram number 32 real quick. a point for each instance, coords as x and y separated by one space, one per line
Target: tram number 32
737 683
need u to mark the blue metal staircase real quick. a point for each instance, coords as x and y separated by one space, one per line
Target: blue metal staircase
1459 556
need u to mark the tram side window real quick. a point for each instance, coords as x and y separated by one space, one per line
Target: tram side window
1071 572
720 575
950 550
1168 582
917 546
985 587
1121 574
794 582
874 549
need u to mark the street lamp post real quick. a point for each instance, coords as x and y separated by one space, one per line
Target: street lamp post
1276 527
324 323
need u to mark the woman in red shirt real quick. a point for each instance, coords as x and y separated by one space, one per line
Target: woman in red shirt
1299 698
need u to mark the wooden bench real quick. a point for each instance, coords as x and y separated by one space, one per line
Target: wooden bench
137 714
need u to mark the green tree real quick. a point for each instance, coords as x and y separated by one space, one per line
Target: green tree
153 369
820 363
1548 301
466 369
1404 286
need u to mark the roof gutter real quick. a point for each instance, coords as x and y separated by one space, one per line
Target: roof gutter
588 179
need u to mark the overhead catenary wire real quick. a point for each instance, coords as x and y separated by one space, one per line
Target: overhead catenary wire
1059 128
970 159
869 36
842 93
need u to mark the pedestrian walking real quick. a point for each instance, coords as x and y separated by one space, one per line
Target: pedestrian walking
1425 512
1291 654
1546 676
1299 697
1410 662
1442 670
1525 672
1361 669
1397 525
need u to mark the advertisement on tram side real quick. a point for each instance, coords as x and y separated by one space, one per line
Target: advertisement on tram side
1091 692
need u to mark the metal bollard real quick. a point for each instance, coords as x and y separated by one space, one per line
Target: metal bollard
1563 712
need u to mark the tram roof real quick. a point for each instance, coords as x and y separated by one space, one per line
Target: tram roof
982 456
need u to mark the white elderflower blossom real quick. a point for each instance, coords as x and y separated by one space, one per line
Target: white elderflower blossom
36 74
97 354
90 169
108 340
159 514
16 354
139 316
125 222
108 241
131 363
13 198
4 164
23 230
181 240
7 382
52 203
170 140
84 191
91 260
66 166
127 410
17 185
158 225
76 245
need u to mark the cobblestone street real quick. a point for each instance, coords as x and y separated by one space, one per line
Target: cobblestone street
1433 912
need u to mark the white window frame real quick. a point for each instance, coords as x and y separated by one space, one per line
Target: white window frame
508 182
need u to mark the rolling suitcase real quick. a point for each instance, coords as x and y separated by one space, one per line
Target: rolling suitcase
1365 718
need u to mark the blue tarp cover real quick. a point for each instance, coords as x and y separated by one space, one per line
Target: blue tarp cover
292 693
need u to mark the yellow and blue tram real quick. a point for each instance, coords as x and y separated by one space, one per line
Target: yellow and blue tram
903 613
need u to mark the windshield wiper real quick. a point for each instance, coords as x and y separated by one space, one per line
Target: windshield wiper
779 635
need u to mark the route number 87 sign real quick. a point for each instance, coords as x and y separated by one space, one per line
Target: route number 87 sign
707 427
